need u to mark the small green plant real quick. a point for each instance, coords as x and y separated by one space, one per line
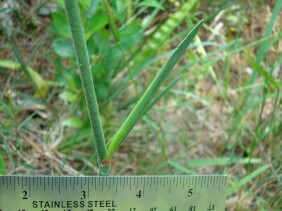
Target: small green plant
105 152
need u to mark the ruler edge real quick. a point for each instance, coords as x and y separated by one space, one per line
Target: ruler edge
223 177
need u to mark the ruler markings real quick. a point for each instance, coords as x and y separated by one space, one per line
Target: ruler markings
143 189
44 184
194 182
88 188
150 186
102 183
59 186
127 181
219 184
156 182
105 181
14 185
117 187
37 183
66 183
137 182
129 185
169 186
29 186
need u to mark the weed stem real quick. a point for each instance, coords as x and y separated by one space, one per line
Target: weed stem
74 18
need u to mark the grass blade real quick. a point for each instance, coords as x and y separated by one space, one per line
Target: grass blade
222 161
163 93
247 179
3 169
267 77
264 46
141 106
181 168
112 20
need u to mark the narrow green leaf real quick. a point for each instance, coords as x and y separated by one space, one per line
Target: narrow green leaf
163 93
141 106
221 161
2 166
181 168
112 21
264 46
247 179
258 68
26 121
150 122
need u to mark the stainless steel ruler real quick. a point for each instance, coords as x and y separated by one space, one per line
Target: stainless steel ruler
113 193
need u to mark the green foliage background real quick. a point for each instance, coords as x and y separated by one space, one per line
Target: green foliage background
219 111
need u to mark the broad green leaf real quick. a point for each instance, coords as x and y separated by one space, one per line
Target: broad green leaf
130 35
63 48
141 105
60 3
68 96
151 3
73 122
37 79
97 22
85 4
92 9
61 24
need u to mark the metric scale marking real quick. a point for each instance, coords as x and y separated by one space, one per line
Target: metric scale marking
113 193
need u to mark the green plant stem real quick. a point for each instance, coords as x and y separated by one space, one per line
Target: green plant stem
74 18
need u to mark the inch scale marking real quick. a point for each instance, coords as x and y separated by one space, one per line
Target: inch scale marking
113 193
